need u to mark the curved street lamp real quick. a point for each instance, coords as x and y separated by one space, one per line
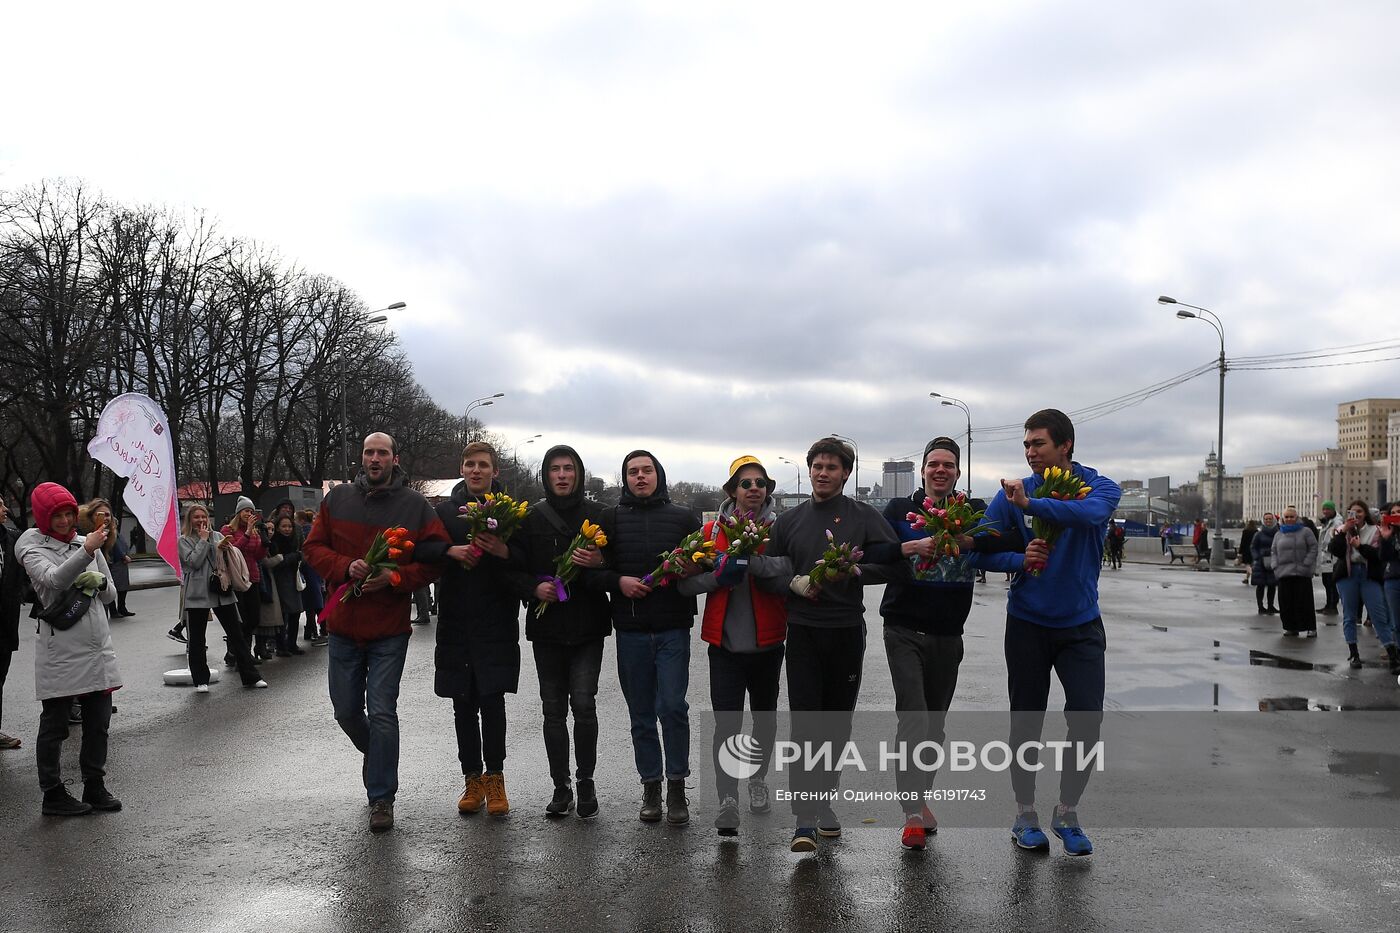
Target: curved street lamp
958 403
377 317
857 449
478 403
1217 550
799 472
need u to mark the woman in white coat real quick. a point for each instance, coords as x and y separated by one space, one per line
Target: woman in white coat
77 662
202 551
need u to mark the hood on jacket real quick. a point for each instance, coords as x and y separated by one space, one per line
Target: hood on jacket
47 499
662 494
562 503
766 513
397 478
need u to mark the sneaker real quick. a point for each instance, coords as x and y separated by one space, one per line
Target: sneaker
1066 826
728 820
473 795
177 635
804 840
296 649
651 802
1310 633
75 711
828 825
914 835
58 802
381 816
8 741
1027 832
259 685
96 794
562 803
308 634
587 799
419 620
760 801
320 641
677 807
201 688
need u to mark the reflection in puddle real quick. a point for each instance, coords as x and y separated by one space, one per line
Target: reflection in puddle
1305 704
1383 766
1265 659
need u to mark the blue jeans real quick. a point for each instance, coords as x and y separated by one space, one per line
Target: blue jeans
366 676
654 668
1355 589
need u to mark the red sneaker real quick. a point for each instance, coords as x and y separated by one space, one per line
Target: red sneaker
914 836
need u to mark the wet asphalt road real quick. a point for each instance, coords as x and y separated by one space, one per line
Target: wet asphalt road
244 809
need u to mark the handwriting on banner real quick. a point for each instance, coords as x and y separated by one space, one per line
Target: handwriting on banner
137 453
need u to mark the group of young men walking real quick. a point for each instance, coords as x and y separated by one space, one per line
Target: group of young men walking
763 614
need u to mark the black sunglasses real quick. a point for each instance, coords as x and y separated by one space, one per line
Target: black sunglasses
751 483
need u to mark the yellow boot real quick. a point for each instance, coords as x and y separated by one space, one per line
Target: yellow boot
473 795
495 787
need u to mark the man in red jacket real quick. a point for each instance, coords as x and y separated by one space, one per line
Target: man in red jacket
369 632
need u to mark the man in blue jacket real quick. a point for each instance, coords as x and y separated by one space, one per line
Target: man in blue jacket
1053 622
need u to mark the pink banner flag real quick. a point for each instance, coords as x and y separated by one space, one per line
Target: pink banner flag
133 440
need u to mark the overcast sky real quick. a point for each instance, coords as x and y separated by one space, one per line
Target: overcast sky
723 228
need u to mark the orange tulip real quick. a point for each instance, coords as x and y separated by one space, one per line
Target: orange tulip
395 553
395 578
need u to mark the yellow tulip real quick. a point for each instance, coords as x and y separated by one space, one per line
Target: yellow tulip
589 529
601 540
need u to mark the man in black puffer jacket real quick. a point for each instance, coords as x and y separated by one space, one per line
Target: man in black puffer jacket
653 631
568 637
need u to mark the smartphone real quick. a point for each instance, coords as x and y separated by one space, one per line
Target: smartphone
1390 519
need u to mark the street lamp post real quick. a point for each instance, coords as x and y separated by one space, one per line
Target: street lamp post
378 318
959 403
1217 550
857 449
477 403
515 465
799 472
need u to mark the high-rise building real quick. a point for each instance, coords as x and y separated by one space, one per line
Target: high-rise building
1363 427
1315 477
898 478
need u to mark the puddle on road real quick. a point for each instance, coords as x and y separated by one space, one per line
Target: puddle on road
1265 659
1383 766
1307 704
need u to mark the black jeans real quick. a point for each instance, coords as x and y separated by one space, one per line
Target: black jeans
481 731
1329 586
249 611
1259 592
924 669
1076 655
733 675
569 680
53 730
5 656
197 620
823 682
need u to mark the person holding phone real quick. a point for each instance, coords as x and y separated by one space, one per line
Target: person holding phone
74 662
1360 579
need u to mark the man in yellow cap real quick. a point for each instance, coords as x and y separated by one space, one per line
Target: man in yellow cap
745 624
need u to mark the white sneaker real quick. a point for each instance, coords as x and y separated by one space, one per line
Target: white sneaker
202 688
261 685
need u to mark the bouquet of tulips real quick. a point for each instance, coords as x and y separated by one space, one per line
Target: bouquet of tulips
945 525
1058 484
745 533
694 547
390 546
590 536
497 514
836 560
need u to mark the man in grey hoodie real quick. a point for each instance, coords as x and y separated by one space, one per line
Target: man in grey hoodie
745 624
